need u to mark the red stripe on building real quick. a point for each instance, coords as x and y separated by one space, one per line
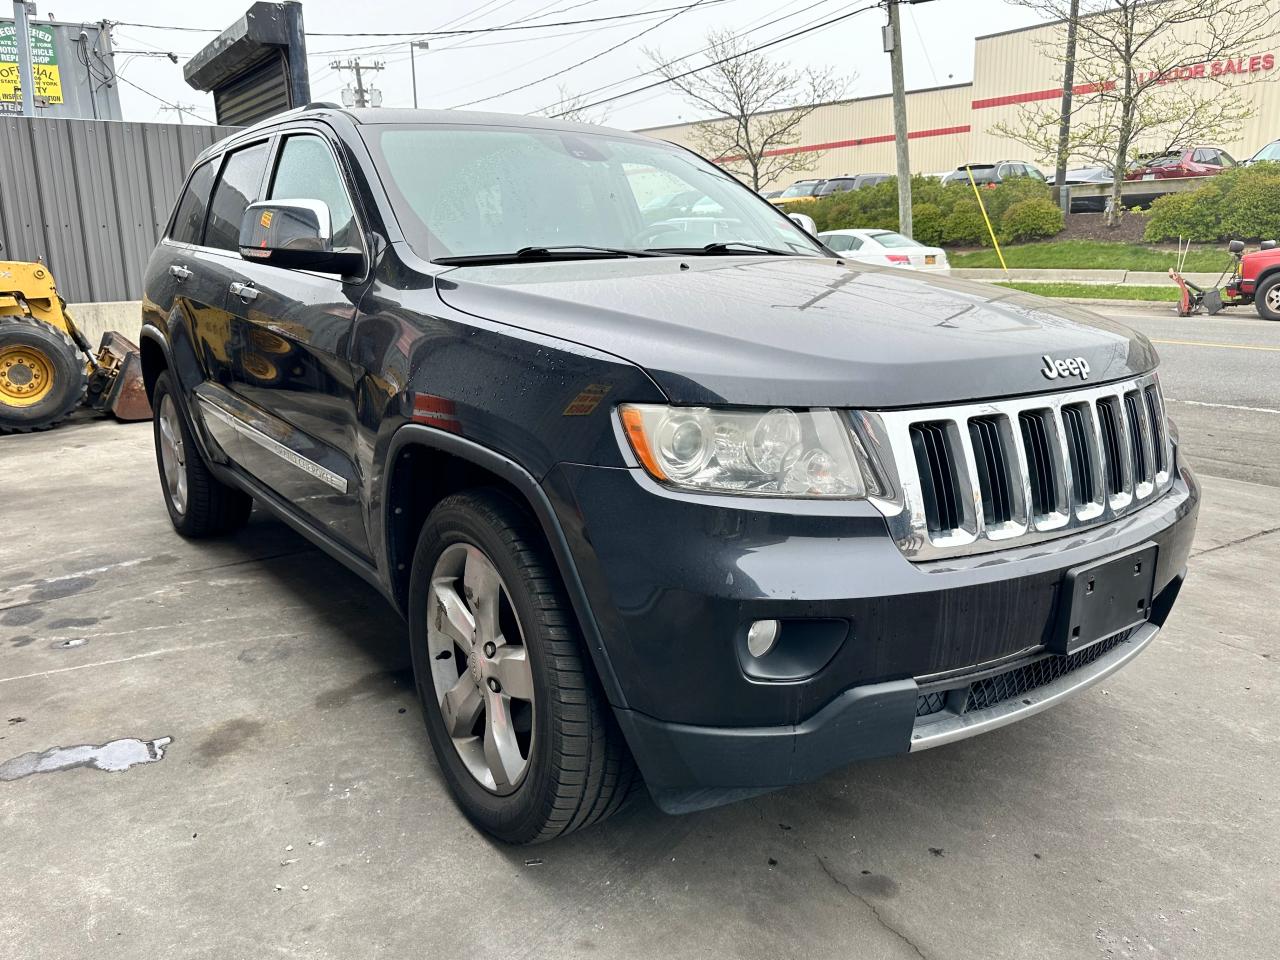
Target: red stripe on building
1039 95
856 142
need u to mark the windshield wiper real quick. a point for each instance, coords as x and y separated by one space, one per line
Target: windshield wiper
730 246
568 251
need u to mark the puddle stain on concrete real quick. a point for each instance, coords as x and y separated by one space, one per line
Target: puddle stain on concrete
21 616
113 757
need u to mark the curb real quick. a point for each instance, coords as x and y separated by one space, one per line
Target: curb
1170 304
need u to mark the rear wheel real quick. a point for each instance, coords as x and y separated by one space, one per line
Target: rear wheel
42 375
1267 299
523 735
199 504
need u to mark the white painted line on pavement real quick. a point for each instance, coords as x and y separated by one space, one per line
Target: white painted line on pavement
1224 406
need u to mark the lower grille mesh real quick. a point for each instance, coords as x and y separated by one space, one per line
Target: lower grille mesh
994 690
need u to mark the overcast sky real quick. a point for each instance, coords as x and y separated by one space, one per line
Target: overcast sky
937 39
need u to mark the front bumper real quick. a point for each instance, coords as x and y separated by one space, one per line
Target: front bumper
674 580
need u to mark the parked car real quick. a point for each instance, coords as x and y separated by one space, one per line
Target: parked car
989 175
770 194
851 182
722 514
1184 162
801 191
1269 153
1094 175
884 248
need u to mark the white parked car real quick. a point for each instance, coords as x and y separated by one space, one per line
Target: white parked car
885 248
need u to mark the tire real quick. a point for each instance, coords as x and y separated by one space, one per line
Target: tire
42 375
200 505
1267 298
576 767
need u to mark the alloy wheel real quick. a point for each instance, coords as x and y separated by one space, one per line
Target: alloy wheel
480 668
173 459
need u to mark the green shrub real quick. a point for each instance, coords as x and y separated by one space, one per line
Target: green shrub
927 220
933 207
1016 190
964 226
1032 219
1251 209
1243 203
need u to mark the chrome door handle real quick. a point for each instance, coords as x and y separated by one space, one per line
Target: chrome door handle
245 291
179 271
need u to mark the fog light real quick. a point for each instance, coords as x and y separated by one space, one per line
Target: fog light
761 637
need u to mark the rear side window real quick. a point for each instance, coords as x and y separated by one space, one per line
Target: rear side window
307 171
237 188
188 219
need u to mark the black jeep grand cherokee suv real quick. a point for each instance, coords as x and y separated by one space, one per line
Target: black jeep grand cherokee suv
682 497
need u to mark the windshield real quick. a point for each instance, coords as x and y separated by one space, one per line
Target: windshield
801 189
888 239
1270 152
980 175
462 191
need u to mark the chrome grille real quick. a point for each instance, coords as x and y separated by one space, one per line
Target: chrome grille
983 476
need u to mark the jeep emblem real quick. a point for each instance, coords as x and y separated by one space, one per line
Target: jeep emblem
1071 367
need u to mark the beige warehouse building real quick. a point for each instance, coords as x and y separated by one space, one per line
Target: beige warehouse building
956 124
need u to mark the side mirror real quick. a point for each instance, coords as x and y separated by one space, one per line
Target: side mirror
295 233
1235 246
804 222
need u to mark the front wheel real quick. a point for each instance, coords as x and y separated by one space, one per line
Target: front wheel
1267 299
522 733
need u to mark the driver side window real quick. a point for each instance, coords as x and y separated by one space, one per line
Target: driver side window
306 170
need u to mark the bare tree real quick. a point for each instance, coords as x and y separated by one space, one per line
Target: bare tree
572 106
756 106
1161 73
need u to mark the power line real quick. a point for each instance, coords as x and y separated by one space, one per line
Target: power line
645 73
167 103
716 63
597 56
464 45
444 33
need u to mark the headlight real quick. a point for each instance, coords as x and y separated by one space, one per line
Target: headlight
762 453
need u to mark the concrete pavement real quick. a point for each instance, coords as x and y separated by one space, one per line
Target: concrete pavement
297 810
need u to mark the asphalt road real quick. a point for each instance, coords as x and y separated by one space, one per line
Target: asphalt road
288 804
1222 377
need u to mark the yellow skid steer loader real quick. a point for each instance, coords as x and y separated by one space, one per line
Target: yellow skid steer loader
46 366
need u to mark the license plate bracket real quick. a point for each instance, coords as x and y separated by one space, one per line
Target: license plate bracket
1105 597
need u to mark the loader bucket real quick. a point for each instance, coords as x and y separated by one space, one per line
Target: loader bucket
116 386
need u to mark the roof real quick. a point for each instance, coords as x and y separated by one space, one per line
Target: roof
381 117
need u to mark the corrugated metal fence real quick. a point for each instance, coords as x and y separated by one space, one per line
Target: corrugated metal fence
90 198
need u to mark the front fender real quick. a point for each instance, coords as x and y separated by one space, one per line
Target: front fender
538 502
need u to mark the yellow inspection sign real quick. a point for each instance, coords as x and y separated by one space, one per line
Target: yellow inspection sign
44 64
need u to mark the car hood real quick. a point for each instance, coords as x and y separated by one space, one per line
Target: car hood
801 331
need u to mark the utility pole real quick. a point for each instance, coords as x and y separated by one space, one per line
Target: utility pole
22 36
180 109
413 67
361 96
893 47
1061 194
